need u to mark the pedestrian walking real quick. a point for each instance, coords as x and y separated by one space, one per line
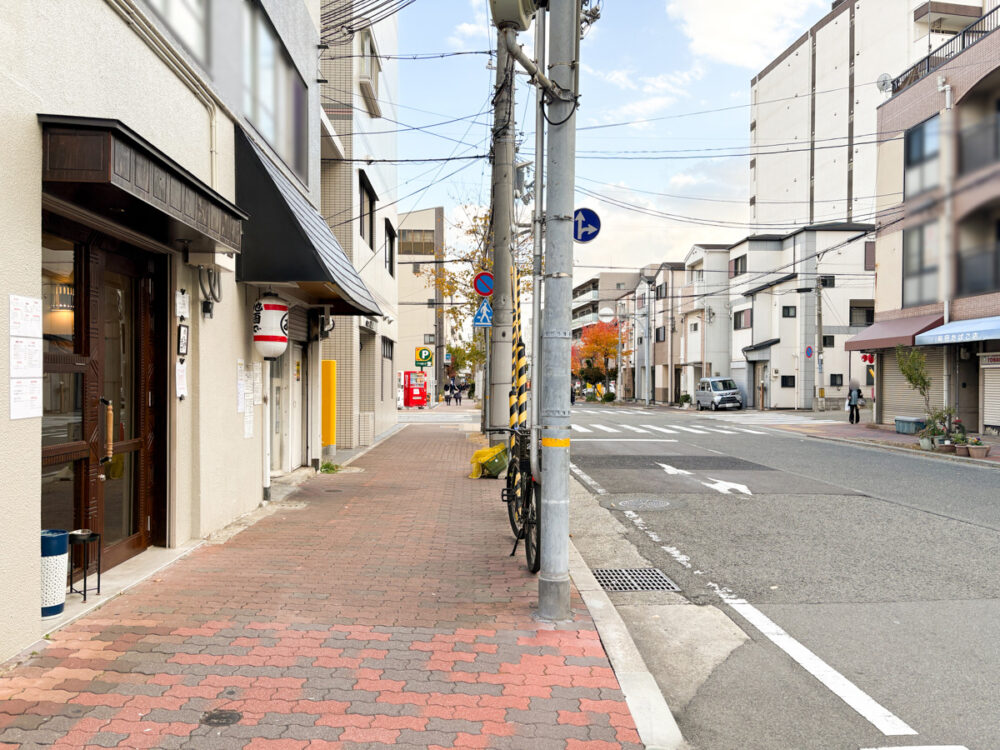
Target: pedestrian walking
572 395
458 395
854 401
447 394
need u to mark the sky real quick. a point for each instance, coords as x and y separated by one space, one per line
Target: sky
665 87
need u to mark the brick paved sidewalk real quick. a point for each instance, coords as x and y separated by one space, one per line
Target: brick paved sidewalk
374 607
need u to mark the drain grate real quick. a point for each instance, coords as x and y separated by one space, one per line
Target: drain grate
221 718
634 579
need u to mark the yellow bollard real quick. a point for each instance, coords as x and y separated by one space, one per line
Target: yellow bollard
329 403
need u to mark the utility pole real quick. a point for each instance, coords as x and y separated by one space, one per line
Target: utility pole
538 226
820 390
649 342
502 219
554 582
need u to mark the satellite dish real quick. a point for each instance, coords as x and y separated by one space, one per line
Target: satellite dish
605 315
884 83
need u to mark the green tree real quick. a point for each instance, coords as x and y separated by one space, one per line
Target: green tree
913 366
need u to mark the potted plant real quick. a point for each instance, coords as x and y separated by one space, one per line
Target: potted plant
961 444
977 449
926 439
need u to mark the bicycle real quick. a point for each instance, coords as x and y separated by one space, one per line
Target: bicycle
523 497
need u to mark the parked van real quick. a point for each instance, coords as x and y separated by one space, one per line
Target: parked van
718 393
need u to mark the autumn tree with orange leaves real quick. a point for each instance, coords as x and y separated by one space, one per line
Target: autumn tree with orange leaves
598 346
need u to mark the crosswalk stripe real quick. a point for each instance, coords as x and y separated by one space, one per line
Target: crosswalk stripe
660 429
580 428
634 429
752 432
603 428
720 429
691 429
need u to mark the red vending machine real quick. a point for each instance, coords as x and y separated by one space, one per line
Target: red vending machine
414 389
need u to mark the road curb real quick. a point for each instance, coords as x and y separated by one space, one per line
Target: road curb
654 721
908 451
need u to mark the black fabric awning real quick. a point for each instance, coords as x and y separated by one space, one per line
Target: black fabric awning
287 241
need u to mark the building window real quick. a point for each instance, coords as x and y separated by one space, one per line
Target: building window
367 209
661 333
836 381
368 76
788 311
827 282
429 339
862 315
694 327
921 148
416 269
274 94
387 351
742 319
738 266
416 242
188 19
828 342
620 285
661 291
390 248
920 265
787 381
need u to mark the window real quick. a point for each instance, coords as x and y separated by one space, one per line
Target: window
640 341
828 342
920 146
188 20
836 381
920 265
661 333
738 266
387 347
368 76
827 282
416 242
742 319
862 315
869 256
661 291
274 94
787 381
693 327
416 269
788 311
366 212
723 385
620 285
390 248
428 338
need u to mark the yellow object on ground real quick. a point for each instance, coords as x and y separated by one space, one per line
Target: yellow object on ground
488 462
328 406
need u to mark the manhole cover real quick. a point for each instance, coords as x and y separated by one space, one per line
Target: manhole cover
642 503
221 718
634 579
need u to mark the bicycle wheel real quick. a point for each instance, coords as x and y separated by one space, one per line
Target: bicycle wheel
513 501
533 526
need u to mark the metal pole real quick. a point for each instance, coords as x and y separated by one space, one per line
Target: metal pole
618 356
820 392
502 216
553 581
649 344
539 227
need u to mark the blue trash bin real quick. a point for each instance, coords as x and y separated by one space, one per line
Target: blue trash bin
55 557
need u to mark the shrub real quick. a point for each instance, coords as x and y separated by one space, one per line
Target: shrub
609 396
685 398
591 398
328 467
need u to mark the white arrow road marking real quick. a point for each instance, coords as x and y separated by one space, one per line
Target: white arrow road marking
603 428
579 428
660 429
724 487
674 471
634 429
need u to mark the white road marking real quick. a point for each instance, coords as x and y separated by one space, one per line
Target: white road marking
724 487
580 428
691 429
880 717
679 556
634 428
674 471
715 451
752 432
919 747
719 429
624 440
667 430
585 478
603 428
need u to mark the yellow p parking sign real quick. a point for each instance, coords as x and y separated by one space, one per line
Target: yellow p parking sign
424 357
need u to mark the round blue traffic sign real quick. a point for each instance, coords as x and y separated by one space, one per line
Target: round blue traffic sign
809 351
586 225
483 284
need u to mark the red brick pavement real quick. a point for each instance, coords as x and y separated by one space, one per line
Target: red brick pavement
387 611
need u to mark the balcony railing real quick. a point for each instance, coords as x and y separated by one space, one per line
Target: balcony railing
585 320
954 46
979 145
585 297
979 270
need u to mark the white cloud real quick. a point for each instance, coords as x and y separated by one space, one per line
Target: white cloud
477 30
742 33
677 83
623 79
640 110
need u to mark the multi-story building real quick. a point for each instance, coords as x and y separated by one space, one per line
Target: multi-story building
782 288
359 187
423 322
653 333
597 293
136 402
703 316
938 243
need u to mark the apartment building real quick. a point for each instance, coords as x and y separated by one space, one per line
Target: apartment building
652 333
142 259
938 242
782 290
703 316
597 293
359 195
423 322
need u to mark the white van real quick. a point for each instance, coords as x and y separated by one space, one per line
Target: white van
718 393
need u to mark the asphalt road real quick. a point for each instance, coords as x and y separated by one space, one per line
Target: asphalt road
831 596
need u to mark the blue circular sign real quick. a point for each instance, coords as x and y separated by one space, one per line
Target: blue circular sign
483 283
809 351
586 225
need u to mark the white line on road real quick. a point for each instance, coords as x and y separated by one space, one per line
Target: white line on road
719 429
691 429
883 720
578 428
919 747
634 428
752 432
586 479
667 430
603 428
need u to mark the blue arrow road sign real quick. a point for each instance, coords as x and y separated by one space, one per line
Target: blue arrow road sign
484 316
586 225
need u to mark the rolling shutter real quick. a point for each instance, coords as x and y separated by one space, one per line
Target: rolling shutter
991 396
898 398
298 324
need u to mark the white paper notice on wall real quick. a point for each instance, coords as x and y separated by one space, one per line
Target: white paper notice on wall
248 412
182 304
25 358
25 316
258 383
25 398
181 379
240 395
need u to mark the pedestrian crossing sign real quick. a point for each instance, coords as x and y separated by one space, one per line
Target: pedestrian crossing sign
484 316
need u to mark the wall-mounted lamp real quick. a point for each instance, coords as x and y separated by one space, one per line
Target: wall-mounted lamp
62 297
